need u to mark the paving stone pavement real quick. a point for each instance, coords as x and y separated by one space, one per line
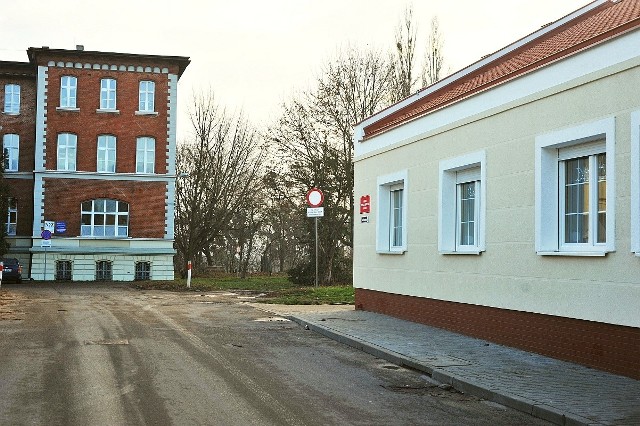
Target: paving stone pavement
561 392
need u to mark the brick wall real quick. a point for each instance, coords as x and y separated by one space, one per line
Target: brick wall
22 190
603 346
22 124
63 198
87 124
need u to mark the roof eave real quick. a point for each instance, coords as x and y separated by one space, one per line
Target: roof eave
477 65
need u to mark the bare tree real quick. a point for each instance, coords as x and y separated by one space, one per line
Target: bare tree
222 160
314 137
404 59
434 55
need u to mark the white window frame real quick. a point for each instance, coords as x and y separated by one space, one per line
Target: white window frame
67 151
145 154
146 96
68 92
12 99
589 153
96 214
12 216
454 172
106 155
385 223
550 151
11 149
635 182
108 88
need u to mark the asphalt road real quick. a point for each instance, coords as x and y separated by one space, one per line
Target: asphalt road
88 354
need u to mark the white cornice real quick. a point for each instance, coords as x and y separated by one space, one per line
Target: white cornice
109 67
59 174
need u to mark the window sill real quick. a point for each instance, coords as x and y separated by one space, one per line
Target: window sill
472 252
573 253
391 252
152 113
10 113
108 111
70 109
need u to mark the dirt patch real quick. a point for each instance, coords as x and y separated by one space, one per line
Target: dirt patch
10 306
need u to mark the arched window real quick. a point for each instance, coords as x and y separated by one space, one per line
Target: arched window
11 147
104 218
12 216
68 91
145 155
67 148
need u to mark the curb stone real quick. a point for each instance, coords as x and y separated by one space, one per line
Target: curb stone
461 384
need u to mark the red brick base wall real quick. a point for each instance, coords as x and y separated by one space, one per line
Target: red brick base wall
606 347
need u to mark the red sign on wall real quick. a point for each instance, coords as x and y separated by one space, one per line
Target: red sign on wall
365 204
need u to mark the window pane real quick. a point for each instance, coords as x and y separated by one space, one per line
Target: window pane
396 217
109 231
98 205
577 200
467 213
602 198
110 205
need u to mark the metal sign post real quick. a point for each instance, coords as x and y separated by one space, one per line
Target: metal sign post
46 242
316 220
315 198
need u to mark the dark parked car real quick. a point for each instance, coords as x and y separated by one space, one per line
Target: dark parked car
12 270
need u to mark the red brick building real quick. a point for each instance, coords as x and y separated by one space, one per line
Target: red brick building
90 139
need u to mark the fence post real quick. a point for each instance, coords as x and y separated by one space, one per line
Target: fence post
189 274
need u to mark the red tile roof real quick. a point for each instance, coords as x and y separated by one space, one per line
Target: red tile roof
604 22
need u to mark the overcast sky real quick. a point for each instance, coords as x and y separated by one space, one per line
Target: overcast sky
255 53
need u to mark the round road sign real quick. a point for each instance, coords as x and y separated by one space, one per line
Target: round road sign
46 234
314 197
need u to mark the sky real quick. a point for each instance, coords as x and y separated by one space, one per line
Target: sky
255 54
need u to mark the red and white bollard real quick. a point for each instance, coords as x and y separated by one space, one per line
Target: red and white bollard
189 274
1 269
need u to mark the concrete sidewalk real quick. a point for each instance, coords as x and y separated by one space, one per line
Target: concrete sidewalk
560 392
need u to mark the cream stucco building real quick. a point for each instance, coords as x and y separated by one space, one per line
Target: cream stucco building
504 200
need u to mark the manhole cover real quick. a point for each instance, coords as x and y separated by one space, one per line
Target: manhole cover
107 342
